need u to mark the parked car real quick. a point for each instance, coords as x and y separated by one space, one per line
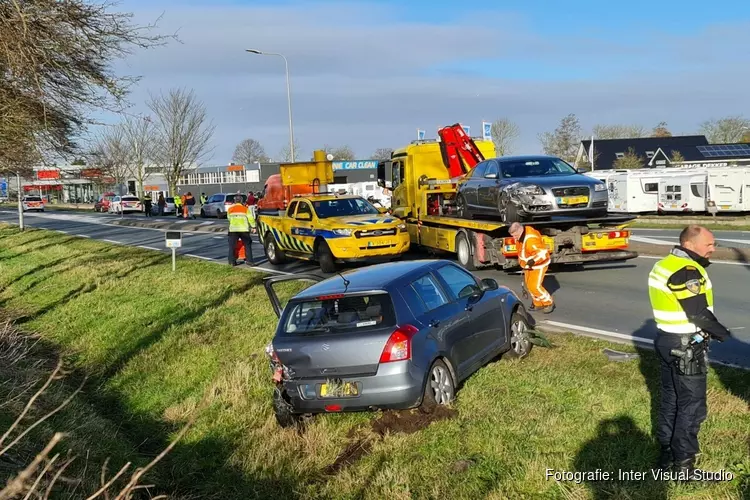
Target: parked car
102 204
32 203
168 208
519 188
218 204
124 204
388 336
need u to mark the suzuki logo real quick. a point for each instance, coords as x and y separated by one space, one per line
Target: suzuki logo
326 347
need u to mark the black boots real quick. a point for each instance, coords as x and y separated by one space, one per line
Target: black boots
665 458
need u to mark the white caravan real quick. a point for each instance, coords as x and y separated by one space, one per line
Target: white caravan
634 191
683 191
729 188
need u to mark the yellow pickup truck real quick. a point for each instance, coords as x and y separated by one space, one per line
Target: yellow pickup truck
330 228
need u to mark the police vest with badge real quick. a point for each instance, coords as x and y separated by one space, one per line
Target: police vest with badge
682 299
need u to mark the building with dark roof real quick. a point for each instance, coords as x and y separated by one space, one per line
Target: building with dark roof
608 151
710 155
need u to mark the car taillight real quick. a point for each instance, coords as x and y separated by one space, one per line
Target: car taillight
619 234
398 347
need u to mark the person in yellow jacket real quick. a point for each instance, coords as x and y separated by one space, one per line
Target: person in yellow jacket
177 206
534 258
241 224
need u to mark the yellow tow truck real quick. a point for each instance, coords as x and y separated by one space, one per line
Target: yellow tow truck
423 195
297 218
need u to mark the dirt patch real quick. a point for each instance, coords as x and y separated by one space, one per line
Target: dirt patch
353 452
409 422
389 422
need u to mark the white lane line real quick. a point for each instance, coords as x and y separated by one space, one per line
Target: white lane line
746 242
727 262
219 237
263 269
199 256
622 336
653 241
150 248
83 236
113 241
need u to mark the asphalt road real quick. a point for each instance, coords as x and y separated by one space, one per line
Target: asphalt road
608 300
736 239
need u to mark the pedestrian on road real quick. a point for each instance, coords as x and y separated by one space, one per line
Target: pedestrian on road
241 224
147 205
162 203
189 204
534 258
681 297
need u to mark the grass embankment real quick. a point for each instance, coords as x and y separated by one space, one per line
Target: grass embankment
160 348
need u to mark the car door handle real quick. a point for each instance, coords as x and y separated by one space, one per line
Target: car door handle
435 323
470 307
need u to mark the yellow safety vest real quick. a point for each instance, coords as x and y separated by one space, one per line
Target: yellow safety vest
668 313
241 218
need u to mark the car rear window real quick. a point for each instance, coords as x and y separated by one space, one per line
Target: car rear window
339 313
33 198
129 198
230 198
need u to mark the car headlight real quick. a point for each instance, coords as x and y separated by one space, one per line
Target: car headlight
600 187
402 227
529 189
342 232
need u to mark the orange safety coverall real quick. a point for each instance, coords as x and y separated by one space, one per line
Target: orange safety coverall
533 248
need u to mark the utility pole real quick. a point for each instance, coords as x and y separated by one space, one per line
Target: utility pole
20 205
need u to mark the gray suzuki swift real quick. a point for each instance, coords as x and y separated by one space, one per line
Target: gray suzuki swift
389 336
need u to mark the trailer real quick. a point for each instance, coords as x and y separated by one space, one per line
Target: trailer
423 183
728 189
683 191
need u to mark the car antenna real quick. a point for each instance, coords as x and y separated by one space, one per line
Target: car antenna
346 281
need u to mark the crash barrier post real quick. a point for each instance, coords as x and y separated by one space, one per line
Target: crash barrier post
173 240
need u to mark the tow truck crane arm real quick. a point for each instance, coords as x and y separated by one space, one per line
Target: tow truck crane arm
460 153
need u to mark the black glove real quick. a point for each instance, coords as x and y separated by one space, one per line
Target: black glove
530 263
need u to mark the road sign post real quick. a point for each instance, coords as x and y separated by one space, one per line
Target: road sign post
173 240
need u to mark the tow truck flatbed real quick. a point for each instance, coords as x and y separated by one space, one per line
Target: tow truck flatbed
490 226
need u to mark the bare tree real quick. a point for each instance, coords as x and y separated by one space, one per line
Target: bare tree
630 161
564 142
139 141
285 154
661 130
182 133
726 130
382 154
618 131
342 153
504 132
249 151
57 63
111 154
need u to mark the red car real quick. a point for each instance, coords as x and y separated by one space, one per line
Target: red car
102 204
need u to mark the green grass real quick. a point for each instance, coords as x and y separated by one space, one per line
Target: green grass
160 347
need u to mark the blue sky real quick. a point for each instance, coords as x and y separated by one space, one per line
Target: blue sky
368 74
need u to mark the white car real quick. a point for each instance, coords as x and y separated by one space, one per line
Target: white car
32 203
124 204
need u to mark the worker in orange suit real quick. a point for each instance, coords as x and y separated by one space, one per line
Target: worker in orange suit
534 258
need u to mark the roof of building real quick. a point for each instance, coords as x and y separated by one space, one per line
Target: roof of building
375 277
607 151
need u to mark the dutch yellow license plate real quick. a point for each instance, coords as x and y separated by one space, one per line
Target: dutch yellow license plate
348 389
572 200
379 242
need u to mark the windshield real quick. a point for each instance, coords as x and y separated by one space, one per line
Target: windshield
344 207
339 313
539 167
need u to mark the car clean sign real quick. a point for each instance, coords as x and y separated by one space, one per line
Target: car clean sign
353 165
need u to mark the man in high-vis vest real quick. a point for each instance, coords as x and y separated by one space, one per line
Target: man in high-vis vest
534 258
681 296
241 224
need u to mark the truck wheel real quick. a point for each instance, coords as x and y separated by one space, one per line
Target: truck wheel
325 258
463 251
273 253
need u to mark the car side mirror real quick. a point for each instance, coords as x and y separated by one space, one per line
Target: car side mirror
489 284
304 216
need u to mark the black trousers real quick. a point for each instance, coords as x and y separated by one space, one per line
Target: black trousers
682 404
233 239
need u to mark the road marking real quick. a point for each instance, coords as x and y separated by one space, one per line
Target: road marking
83 235
622 336
746 242
150 248
113 241
218 237
653 241
727 262
258 268
199 256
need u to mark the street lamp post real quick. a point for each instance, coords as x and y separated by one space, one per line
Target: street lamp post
288 94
